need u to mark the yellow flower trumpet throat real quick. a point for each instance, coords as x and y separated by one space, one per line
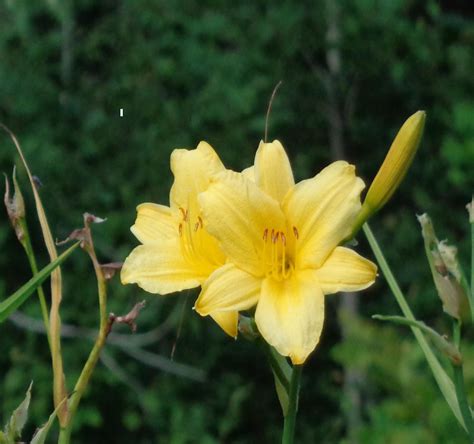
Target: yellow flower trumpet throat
394 167
282 241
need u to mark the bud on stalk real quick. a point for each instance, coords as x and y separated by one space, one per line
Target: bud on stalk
445 269
16 208
394 167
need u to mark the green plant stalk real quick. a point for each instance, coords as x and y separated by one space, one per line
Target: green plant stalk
290 418
460 387
442 379
472 271
26 243
88 369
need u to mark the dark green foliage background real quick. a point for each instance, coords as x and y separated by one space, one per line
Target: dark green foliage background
185 71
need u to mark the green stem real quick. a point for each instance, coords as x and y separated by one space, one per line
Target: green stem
458 372
290 418
86 374
472 270
442 379
26 242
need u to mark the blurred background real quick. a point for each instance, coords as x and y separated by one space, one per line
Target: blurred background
185 71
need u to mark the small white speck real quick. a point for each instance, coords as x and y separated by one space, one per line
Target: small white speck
121 112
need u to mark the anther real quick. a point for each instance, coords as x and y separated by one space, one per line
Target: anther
196 226
180 229
265 234
283 238
200 221
184 213
275 238
295 232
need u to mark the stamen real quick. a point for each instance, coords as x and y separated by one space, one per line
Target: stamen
200 221
283 254
275 262
295 232
180 229
184 213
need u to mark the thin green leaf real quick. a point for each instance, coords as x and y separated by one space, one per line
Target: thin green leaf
18 419
282 373
282 393
9 305
41 434
440 342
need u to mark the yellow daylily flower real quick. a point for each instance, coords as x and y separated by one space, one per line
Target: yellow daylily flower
176 252
281 241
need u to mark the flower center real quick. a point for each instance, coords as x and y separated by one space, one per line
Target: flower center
277 262
191 236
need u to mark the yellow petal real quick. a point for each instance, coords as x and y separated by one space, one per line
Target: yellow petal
273 170
192 170
227 320
290 314
345 270
228 289
155 223
160 269
322 211
249 173
237 213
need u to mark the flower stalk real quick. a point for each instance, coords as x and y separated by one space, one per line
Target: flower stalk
290 418
84 235
458 373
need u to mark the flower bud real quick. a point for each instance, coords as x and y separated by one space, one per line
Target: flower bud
394 167
248 328
445 269
397 161
15 207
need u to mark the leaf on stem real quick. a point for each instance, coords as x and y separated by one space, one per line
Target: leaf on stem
439 341
18 419
13 302
41 433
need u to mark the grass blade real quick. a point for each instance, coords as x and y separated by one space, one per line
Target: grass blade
9 305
